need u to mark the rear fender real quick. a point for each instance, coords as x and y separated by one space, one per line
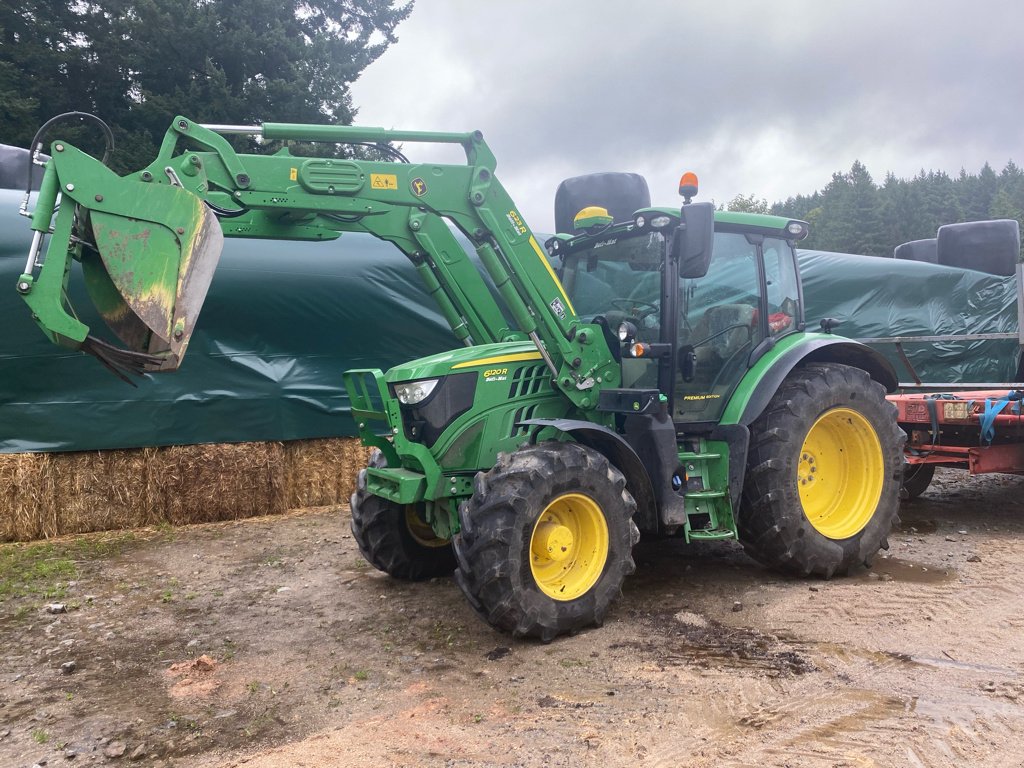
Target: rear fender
763 380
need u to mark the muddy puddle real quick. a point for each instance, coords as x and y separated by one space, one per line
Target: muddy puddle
906 571
692 640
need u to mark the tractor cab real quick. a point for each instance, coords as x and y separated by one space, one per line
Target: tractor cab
686 319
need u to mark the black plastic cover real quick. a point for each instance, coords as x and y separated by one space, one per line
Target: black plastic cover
986 246
621 194
918 250
14 165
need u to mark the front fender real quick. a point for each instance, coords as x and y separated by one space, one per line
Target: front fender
613 447
762 381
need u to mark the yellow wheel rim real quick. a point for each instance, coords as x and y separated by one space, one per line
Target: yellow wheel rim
421 533
840 474
569 547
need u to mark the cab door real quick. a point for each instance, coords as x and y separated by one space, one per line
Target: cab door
719 325
750 296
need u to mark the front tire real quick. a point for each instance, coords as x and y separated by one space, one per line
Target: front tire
823 476
394 538
546 540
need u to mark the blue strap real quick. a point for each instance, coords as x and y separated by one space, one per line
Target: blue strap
933 412
988 419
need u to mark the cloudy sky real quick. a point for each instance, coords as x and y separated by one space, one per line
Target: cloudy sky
763 98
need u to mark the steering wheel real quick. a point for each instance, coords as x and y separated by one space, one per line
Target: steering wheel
638 309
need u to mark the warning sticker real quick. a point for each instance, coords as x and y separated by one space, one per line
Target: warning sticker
383 181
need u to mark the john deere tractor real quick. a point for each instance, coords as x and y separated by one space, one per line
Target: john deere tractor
649 372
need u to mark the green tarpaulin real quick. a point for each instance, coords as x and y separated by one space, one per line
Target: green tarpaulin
283 320
876 297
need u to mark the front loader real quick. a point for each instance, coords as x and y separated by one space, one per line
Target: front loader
653 376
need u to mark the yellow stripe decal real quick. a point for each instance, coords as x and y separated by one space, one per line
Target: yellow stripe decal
500 359
554 277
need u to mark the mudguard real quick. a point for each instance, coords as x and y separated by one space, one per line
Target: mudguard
820 349
614 448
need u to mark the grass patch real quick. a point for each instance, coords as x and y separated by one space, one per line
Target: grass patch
42 570
99 547
38 570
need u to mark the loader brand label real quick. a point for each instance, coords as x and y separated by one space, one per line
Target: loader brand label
419 187
383 181
517 222
558 308
496 374
702 396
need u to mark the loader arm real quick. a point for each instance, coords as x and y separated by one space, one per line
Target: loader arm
149 241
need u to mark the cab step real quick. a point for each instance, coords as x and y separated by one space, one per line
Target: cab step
717 535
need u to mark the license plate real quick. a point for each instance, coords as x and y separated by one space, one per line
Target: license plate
955 410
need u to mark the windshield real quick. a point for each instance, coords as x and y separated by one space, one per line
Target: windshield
618 277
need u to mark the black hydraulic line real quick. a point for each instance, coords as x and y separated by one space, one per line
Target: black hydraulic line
36 144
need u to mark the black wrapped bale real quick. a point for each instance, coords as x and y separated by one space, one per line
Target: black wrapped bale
985 246
620 193
918 250
14 165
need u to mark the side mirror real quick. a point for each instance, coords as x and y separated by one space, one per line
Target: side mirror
692 241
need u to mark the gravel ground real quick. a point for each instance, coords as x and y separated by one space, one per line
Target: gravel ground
269 642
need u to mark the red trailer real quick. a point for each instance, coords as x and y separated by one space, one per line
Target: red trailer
977 430
974 426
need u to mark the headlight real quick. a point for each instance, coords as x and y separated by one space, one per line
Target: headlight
798 229
626 332
413 392
659 222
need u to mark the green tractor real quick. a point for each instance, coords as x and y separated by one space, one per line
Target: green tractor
649 374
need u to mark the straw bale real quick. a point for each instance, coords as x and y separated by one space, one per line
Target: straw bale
104 490
27 509
321 472
224 481
51 494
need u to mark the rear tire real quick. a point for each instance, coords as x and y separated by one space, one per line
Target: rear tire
917 478
823 476
546 540
394 538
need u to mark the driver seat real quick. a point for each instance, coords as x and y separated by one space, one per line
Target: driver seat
715 321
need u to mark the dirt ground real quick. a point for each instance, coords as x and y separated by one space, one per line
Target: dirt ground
269 642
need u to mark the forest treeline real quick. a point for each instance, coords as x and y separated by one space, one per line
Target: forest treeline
853 214
138 63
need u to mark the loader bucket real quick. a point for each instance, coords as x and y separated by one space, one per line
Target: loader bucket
148 279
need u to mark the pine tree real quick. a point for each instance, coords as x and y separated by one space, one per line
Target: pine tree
137 64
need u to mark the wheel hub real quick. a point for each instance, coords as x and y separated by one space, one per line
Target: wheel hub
569 546
807 470
840 473
552 541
